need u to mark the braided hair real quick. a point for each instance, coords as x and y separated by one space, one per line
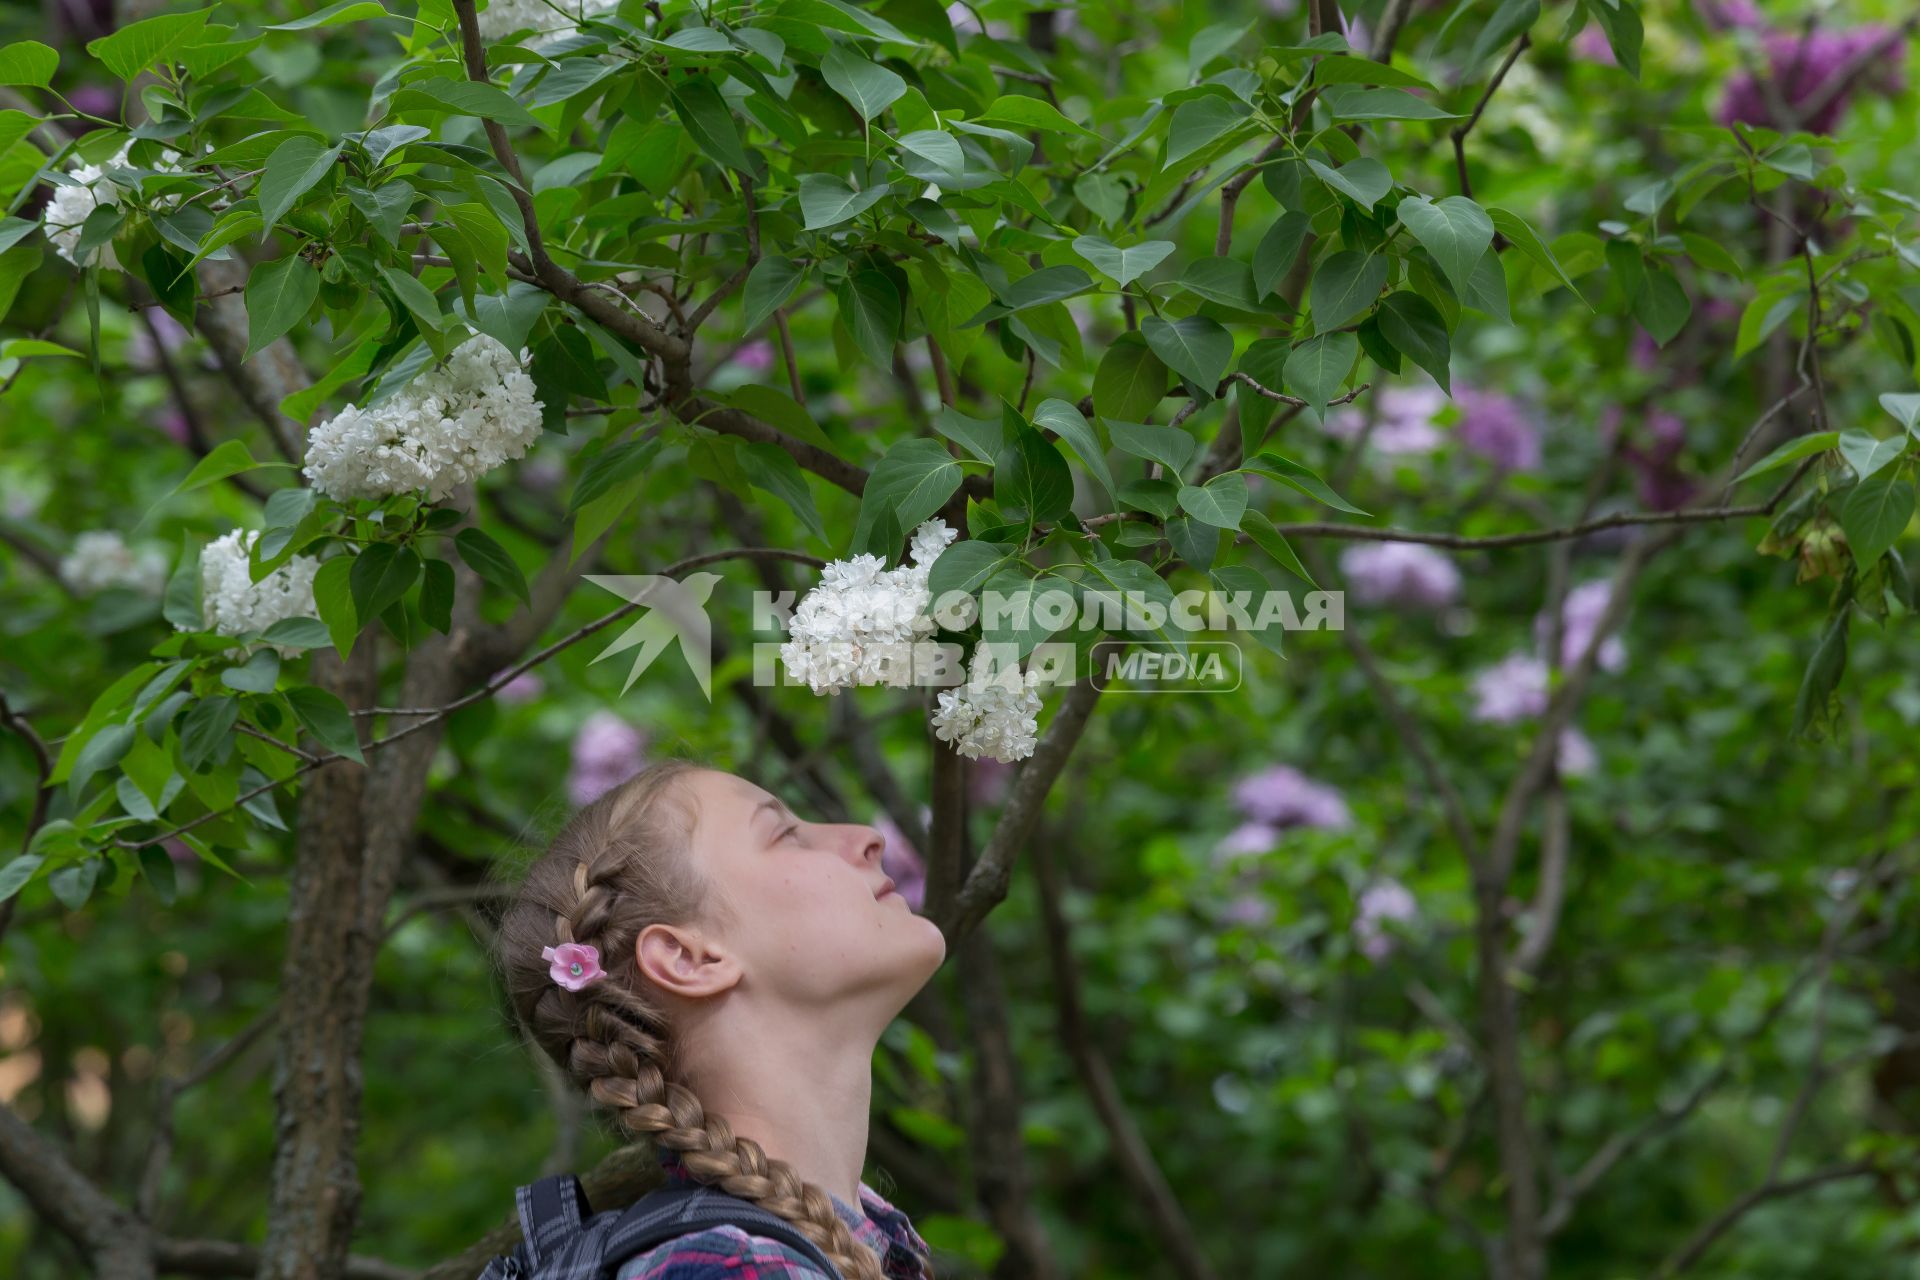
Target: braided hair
617 866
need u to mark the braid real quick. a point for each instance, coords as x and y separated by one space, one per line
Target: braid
615 868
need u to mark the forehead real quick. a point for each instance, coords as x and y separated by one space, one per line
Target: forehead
729 798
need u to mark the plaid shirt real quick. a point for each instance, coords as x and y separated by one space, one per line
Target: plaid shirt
729 1253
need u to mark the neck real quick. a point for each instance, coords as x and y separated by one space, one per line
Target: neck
803 1090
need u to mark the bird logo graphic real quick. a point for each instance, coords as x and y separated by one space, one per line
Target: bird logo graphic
676 610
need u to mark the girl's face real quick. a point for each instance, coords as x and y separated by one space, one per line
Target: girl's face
808 918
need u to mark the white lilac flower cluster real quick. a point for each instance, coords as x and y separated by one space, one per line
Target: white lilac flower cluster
995 714
450 425
860 624
231 603
72 202
100 558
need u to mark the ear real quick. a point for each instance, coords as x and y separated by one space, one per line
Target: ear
684 962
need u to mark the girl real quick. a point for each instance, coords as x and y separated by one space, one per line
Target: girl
717 973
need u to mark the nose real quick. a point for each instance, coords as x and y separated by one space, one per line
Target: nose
868 843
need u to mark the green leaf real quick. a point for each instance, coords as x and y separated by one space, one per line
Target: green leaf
334 15
207 729
1123 265
14 876
181 603
293 169
1873 516
911 482
1227 281
870 87
465 98
1358 70
1200 121
140 46
156 864
1418 332
1270 540
1171 447
1067 422
1345 285
871 310
1030 477
711 123
939 149
773 469
28 63
1905 407
1035 289
1517 229
1363 180
1317 367
1508 22
326 717
827 200
1104 195
490 560
333 597
1274 256
771 282
1023 112
1221 502
981 437
1866 454
381 574
300 633
1829 662
1193 347
1662 305
258 675
1455 230
1130 380
1621 21
278 295
965 565
1289 472
1347 102
1792 451
1769 309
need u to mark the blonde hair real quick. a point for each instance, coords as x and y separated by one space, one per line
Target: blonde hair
617 866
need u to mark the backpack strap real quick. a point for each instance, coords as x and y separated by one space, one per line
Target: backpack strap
551 1211
673 1211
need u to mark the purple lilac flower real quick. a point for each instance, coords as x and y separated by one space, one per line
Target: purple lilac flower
174 425
1281 796
1247 908
1576 755
1385 899
1245 840
1579 620
903 862
524 687
1513 688
606 752
1404 424
1592 45
1400 573
1803 67
755 357
1498 428
1723 15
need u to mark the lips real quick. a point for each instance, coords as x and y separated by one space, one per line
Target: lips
886 887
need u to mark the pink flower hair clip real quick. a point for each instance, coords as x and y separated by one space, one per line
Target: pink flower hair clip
573 964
